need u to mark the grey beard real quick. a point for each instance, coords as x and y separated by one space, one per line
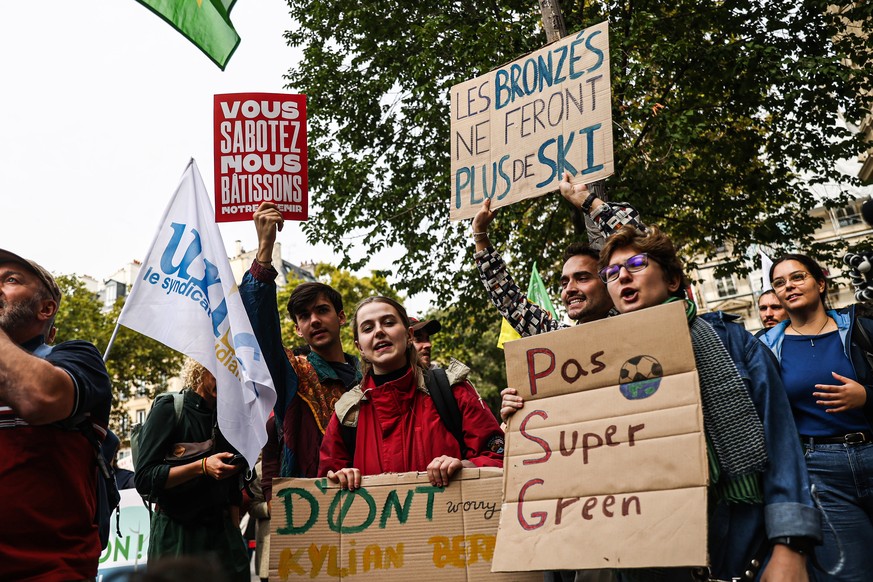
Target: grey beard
17 314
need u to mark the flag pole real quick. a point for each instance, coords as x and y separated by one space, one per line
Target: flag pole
111 341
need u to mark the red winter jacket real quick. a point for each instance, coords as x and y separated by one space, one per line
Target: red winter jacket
399 430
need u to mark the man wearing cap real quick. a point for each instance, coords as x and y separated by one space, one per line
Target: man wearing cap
48 470
422 330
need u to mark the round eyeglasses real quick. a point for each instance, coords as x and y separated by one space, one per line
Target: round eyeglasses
796 278
633 264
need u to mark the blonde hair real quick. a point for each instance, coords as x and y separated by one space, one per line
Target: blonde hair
192 373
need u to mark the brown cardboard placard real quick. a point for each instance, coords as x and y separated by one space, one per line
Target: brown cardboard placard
606 463
395 527
516 129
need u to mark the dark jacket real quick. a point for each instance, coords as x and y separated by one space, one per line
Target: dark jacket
201 500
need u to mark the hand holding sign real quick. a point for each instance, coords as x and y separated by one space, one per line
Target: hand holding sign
348 478
510 403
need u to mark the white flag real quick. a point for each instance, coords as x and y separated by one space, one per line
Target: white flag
186 298
766 263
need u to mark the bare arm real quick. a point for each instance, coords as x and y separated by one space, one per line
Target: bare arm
38 392
481 221
212 466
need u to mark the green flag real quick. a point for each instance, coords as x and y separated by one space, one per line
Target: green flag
206 23
536 293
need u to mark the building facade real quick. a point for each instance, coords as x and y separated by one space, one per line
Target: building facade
739 295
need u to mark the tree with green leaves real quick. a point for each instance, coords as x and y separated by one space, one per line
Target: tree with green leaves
726 119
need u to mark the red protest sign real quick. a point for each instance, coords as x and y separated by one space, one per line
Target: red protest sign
260 155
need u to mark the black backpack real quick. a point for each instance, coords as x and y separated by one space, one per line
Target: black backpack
105 449
437 383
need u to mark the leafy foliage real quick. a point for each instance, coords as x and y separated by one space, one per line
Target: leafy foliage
724 114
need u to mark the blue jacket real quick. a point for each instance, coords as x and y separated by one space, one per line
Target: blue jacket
738 531
846 320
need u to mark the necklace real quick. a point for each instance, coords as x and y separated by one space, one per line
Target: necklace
811 337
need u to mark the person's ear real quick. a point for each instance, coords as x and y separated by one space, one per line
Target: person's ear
47 310
674 285
297 330
342 316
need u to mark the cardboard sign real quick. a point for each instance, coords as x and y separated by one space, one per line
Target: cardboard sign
517 129
395 527
606 462
260 155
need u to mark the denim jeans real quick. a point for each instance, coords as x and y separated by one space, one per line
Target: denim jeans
842 476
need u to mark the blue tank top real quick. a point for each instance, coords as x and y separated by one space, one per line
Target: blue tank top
803 366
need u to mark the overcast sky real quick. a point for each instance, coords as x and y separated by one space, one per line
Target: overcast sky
103 105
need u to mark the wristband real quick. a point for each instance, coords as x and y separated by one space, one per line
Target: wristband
203 466
477 236
586 206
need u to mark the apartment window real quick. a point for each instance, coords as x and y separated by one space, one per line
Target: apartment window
140 415
726 287
847 216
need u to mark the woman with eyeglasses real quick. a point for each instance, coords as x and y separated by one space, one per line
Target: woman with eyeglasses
827 378
761 519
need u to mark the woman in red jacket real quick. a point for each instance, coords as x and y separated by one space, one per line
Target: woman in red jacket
396 426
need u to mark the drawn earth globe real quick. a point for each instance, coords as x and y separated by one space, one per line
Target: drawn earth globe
640 377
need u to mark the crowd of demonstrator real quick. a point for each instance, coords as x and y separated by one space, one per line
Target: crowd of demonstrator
787 416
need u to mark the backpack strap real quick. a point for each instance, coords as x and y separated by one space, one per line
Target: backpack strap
350 437
437 382
444 401
178 403
105 447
